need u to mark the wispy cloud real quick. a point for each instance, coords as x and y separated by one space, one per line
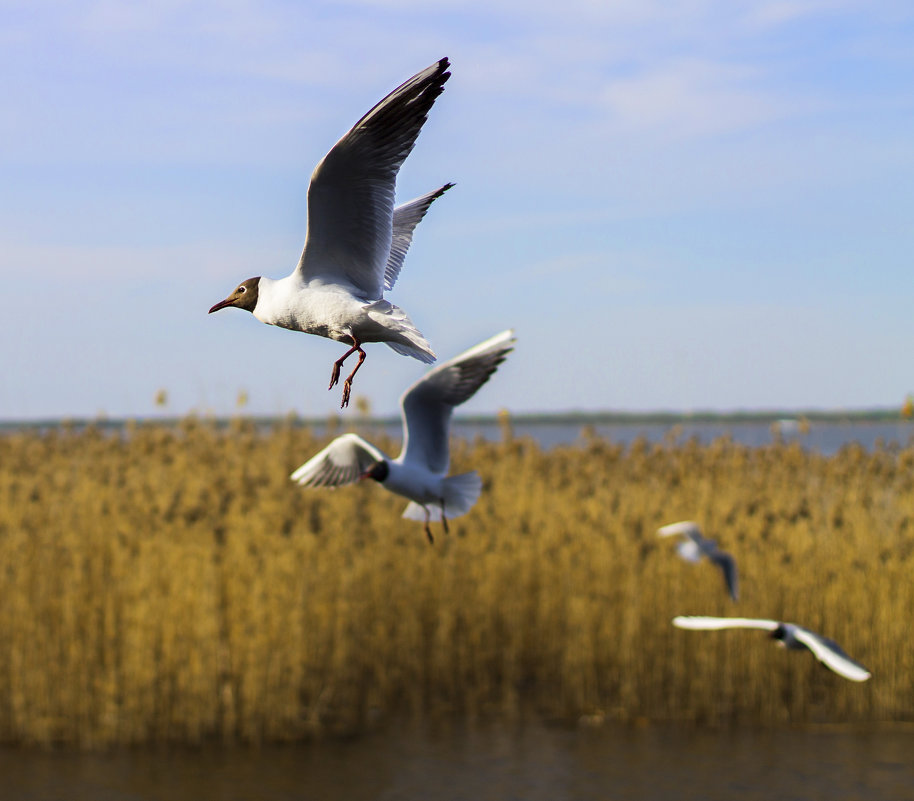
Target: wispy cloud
130 264
691 98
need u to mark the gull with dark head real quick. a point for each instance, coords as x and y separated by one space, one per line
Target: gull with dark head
694 546
420 471
788 635
356 239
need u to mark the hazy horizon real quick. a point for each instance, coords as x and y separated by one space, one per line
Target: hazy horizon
863 414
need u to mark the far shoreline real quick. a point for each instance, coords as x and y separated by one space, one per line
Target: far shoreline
580 418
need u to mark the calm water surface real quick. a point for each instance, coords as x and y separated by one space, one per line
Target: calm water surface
823 437
531 763
826 438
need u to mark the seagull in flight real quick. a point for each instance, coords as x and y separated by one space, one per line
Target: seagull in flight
420 471
356 240
788 635
694 546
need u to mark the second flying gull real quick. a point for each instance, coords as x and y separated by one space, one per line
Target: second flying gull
420 471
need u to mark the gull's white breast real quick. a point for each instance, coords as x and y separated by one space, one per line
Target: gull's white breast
328 310
416 483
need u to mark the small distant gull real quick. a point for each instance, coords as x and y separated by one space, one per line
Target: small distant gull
694 546
420 471
788 635
356 239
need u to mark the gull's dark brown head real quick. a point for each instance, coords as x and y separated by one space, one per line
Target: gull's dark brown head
378 471
244 296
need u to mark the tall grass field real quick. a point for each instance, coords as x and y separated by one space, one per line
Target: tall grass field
170 584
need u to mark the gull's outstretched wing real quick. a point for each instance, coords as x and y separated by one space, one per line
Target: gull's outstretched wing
700 623
351 196
406 218
341 462
427 405
727 564
830 654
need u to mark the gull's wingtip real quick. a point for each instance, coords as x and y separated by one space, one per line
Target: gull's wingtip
684 527
696 622
829 653
438 69
502 343
506 337
684 621
298 475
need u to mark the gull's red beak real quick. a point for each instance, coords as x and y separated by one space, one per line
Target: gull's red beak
221 305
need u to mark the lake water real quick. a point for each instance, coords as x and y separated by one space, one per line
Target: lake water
824 437
532 762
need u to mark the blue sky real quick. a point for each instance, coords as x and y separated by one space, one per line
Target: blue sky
677 205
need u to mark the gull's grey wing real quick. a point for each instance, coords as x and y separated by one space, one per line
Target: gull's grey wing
351 196
406 218
702 623
427 405
685 528
341 462
830 654
727 564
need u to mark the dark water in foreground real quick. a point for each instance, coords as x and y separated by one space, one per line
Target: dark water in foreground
533 763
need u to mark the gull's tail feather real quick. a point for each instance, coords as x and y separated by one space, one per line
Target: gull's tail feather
423 352
408 340
460 495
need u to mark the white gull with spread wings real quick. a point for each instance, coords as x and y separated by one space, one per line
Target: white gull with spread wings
356 239
694 546
420 471
789 635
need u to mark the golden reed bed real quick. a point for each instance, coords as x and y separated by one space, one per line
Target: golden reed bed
173 585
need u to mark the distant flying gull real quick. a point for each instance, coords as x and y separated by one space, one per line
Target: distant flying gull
788 635
694 546
420 471
356 239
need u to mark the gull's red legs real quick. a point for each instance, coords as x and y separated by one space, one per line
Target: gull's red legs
428 528
444 517
337 365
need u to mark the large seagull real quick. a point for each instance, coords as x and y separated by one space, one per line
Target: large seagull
356 239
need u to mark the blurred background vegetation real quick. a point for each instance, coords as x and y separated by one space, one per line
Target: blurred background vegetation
168 583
